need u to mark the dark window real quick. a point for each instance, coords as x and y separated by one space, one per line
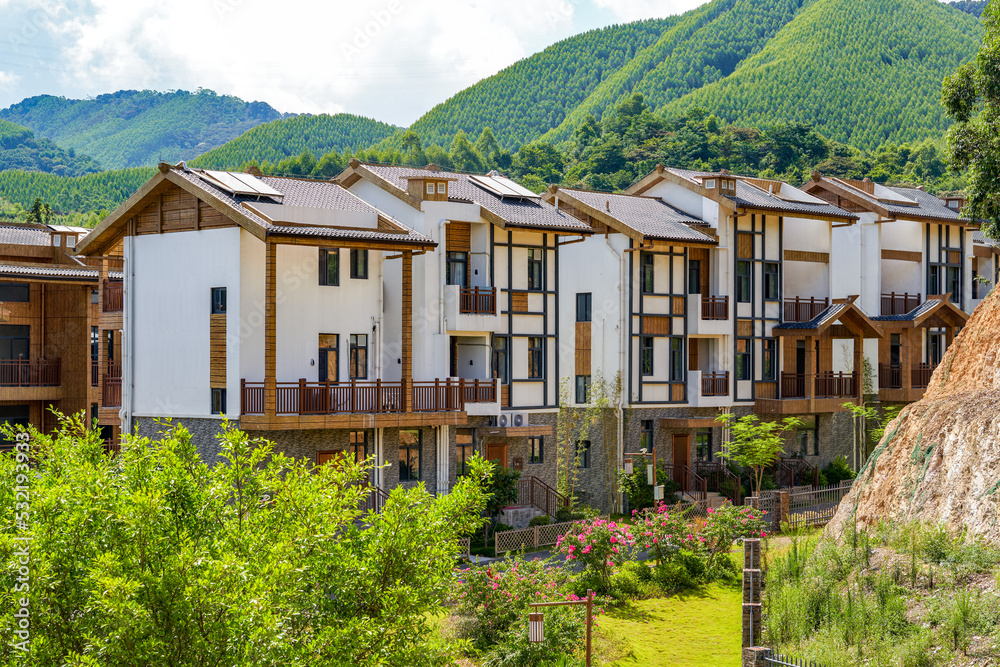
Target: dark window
15 292
694 276
329 356
94 415
646 435
703 444
955 283
109 343
975 284
465 449
329 266
742 359
583 303
536 274
933 280
359 263
14 415
895 347
94 296
409 455
359 356
807 436
218 300
359 445
501 359
771 281
537 445
935 347
15 340
743 282
583 453
583 389
95 343
457 269
677 359
218 401
646 276
769 362
536 357
646 356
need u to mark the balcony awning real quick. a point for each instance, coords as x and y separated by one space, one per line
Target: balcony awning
936 311
845 311
692 422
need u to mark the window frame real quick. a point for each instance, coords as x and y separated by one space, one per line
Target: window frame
536 357
582 454
12 293
501 357
409 448
324 267
536 456
769 360
584 306
743 360
699 446
536 269
218 401
354 351
219 301
646 434
457 257
772 281
359 263
744 289
464 451
676 359
647 273
806 430
646 366
582 389
694 276
353 446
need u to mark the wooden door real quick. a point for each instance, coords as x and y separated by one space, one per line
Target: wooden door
335 457
682 448
497 454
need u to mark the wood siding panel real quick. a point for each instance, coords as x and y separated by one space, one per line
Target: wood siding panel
217 351
458 236
175 210
744 328
806 256
677 392
583 364
519 302
902 255
655 325
744 245
954 257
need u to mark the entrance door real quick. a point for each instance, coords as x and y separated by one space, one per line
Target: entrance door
497 454
335 457
682 448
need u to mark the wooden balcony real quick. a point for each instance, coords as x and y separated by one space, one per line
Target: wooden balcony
830 391
111 386
804 310
715 307
114 296
899 304
30 373
95 373
715 384
478 301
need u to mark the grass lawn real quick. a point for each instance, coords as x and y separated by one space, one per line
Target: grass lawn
690 630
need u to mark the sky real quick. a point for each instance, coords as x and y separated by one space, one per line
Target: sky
392 60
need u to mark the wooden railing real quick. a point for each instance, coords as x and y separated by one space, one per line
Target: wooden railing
793 472
477 301
715 474
890 377
714 307
320 398
922 375
536 493
715 384
114 296
95 373
29 372
899 304
793 385
803 310
111 392
836 385
690 482
374 500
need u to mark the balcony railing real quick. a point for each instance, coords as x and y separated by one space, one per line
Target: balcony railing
899 304
478 301
95 373
715 384
922 375
714 307
111 392
793 385
321 398
827 385
114 296
29 372
803 310
890 376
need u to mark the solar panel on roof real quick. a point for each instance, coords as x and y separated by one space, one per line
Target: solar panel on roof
502 187
241 184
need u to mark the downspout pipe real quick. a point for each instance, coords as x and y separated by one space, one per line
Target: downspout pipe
621 399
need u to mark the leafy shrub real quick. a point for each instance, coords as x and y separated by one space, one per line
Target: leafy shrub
836 471
600 545
724 526
640 493
542 520
661 532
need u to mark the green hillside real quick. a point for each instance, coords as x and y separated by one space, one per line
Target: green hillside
20 149
139 128
87 193
281 139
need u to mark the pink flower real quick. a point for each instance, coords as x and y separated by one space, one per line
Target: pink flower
613 539
586 549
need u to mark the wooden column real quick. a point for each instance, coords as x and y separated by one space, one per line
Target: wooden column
906 356
406 354
810 374
859 367
270 330
949 337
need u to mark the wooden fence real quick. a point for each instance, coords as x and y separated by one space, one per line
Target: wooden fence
786 661
800 508
531 537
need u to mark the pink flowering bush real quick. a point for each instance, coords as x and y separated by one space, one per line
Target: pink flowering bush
600 545
663 533
727 524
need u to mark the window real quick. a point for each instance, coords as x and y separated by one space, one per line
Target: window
501 359
457 270
409 455
769 363
218 300
95 343
955 283
694 276
895 349
536 357
329 266
935 347
646 275
15 292
430 188
359 445
14 341
742 359
703 444
94 296
771 281
109 343
329 356
806 434
677 359
465 449
218 401
15 415
743 282
646 355
359 263
583 303
933 280
646 435
359 356
537 445
442 188
583 453
535 273
583 389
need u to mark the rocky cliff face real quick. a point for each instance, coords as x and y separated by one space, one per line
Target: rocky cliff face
939 461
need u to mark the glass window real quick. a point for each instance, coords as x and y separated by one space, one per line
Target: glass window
742 359
955 283
359 445
109 343
537 445
583 389
465 449
536 273
646 356
501 359
743 282
703 444
769 363
442 188
771 281
15 415
359 356
646 435
457 269
646 276
677 359
329 266
536 357
694 276
218 300
583 303
218 401
409 455
15 340
17 293
583 453
933 280
807 436
359 263
95 343
935 347
895 348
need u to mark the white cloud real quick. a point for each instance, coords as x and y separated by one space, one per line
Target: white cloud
636 10
8 79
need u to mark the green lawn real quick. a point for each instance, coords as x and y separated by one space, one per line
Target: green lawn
696 629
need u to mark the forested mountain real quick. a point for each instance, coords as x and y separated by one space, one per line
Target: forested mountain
138 128
281 139
20 149
88 193
974 7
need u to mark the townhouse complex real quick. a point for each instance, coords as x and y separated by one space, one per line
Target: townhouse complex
419 316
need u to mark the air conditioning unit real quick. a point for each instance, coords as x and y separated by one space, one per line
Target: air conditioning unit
512 419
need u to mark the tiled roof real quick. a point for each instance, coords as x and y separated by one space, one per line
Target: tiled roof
17 235
831 312
980 238
57 272
927 305
530 213
650 216
753 197
928 206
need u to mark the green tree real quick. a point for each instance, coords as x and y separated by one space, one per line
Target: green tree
488 148
464 156
755 444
